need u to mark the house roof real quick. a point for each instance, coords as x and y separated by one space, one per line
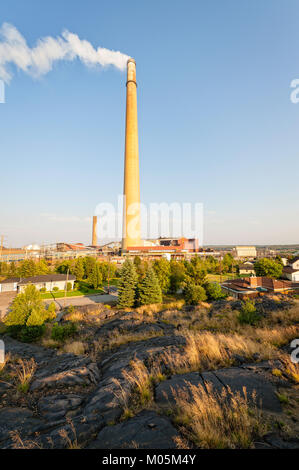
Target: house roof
47 278
10 280
290 270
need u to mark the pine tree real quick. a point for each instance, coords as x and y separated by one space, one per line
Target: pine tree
95 277
127 285
149 290
79 269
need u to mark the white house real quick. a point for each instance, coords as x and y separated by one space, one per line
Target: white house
46 281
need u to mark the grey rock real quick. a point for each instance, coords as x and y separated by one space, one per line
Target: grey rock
21 420
166 391
55 407
276 441
237 378
147 430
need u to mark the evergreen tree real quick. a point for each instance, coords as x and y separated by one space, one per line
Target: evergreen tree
149 290
162 271
127 285
95 277
89 264
79 269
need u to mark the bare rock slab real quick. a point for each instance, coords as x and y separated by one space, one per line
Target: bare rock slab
166 391
237 378
147 430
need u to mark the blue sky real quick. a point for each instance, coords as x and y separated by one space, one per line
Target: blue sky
216 124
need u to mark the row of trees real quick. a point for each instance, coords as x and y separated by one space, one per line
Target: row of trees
88 269
143 283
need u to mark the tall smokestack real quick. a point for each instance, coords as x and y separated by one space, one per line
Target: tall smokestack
131 216
94 231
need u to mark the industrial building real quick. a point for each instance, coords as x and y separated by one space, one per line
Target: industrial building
248 252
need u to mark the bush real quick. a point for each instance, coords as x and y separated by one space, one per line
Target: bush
31 333
62 332
51 312
248 314
27 334
69 286
194 294
43 289
55 289
214 291
27 309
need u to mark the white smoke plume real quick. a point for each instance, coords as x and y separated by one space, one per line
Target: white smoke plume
39 60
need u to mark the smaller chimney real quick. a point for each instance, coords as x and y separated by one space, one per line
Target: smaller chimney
94 230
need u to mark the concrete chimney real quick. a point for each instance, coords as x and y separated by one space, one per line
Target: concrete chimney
131 215
94 241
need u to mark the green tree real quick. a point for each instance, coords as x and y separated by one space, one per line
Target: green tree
196 270
95 278
177 276
162 271
214 291
89 264
79 269
149 290
64 267
268 268
127 285
24 304
194 294
27 268
41 267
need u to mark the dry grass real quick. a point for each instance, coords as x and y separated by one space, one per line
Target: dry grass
24 371
206 351
152 309
139 379
278 336
119 339
218 421
71 442
7 359
289 368
19 443
75 347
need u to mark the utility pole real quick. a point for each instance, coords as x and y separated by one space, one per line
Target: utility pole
108 276
65 287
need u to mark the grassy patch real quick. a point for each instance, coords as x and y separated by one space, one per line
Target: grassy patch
218 421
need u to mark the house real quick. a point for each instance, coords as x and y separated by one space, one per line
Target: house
246 268
291 271
46 281
256 286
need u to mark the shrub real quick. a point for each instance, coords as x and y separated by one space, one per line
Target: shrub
61 332
69 286
55 289
194 294
248 314
214 291
29 334
43 289
51 312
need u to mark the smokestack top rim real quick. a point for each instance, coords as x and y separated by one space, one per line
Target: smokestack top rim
131 60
